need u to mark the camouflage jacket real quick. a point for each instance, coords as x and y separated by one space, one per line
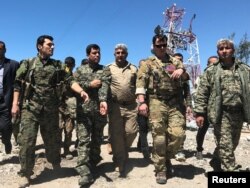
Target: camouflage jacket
154 77
84 75
68 99
41 82
217 89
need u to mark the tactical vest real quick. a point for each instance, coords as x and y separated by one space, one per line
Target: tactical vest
160 82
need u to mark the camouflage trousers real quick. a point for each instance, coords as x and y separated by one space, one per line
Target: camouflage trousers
49 129
16 127
90 133
166 123
227 136
66 124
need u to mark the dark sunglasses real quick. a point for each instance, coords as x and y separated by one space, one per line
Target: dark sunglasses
160 45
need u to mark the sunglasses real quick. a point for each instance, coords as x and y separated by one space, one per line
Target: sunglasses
160 45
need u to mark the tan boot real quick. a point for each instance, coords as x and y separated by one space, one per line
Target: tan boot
23 182
161 178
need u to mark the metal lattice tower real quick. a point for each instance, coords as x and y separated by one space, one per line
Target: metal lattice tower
184 40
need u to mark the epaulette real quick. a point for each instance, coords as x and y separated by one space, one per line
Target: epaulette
152 58
108 65
241 63
172 59
30 61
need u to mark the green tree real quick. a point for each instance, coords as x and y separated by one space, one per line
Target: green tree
243 49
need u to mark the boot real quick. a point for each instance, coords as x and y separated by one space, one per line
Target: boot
215 164
161 178
145 152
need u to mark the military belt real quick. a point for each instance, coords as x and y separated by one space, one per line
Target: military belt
123 103
163 97
232 108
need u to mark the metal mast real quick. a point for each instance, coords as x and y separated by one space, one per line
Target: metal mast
184 40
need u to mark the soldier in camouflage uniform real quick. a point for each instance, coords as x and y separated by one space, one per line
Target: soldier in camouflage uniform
142 143
43 78
201 132
186 109
160 79
67 110
224 95
91 117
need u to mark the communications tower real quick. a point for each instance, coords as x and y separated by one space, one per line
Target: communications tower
182 40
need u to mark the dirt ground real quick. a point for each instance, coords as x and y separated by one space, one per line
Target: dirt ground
140 172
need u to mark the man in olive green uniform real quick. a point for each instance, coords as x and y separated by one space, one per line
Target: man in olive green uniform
201 132
224 95
43 78
160 79
91 116
186 109
67 110
122 107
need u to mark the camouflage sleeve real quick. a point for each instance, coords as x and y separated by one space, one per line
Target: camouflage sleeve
21 74
142 78
178 64
106 80
202 94
187 94
82 80
69 79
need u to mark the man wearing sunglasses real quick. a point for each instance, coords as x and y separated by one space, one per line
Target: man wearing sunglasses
159 79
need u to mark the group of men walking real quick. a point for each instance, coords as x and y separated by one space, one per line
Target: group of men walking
116 94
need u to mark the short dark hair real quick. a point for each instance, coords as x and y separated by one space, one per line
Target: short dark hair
208 60
160 37
41 39
69 61
84 61
178 54
1 42
90 46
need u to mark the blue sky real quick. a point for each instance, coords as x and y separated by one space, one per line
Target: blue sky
76 23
